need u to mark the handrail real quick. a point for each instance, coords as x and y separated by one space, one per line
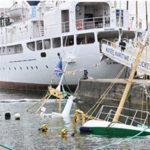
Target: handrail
132 120
129 45
93 22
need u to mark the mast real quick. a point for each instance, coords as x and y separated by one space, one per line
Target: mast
115 4
137 14
146 14
129 82
127 5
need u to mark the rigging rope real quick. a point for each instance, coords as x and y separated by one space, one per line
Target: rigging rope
97 104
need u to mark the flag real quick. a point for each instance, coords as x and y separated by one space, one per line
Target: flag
58 69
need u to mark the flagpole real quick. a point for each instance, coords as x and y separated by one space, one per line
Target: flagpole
146 14
61 79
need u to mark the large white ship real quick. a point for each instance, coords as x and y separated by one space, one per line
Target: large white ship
34 32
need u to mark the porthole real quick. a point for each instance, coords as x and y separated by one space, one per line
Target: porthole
20 68
15 68
46 66
43 54
31 67
36 67
27 68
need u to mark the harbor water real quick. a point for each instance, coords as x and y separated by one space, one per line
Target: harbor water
23 134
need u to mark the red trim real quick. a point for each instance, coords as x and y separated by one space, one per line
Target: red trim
22 86
27 86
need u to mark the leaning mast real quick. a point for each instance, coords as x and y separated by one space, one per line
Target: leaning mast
129 82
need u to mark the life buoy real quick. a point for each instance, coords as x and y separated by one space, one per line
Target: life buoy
79 24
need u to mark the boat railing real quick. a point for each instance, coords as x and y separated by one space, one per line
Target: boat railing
94 22
129 116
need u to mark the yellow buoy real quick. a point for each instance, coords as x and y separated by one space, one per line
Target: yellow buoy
64 133
43 128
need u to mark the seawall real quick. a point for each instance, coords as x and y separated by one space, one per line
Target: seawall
89 92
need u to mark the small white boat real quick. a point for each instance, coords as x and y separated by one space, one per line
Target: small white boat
128 126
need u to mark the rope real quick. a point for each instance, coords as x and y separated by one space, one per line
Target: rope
6 147
135 136
97 104
44 97
44 101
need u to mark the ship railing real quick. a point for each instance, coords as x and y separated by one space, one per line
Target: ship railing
115 45
128 116
94 22
88 23
65 26
129 45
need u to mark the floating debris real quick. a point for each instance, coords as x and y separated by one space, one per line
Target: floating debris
64 133
43 128
17 116
7 116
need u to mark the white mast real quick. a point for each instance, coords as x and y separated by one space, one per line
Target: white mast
146 11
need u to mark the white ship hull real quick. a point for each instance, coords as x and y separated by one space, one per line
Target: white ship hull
30 42
31 69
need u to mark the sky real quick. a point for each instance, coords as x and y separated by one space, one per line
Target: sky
6 3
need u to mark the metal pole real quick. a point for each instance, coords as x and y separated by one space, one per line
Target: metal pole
137 14
146 14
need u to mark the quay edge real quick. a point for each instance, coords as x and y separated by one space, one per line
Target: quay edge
90 90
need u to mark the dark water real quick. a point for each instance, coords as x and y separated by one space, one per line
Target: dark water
24 134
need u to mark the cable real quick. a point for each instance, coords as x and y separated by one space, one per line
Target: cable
6 147
97 104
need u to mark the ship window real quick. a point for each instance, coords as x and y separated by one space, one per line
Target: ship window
68 40
56 42
18 48
27 68
14 49
3 50
36 67
15 68
20 68
46 66
31 46
31 67
47 44
39 45
85 38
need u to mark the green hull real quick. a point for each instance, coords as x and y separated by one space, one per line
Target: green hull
113 132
